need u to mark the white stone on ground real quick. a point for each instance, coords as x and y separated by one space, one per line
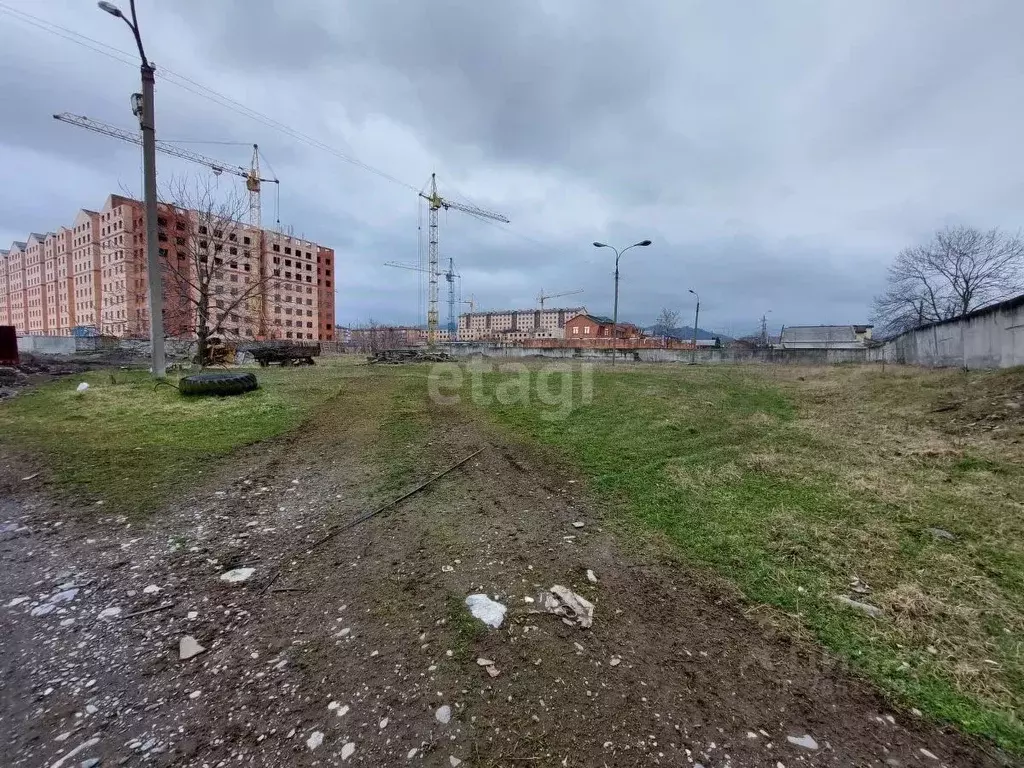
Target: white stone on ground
591 576
237 575
806 741
316 738
347 750
110 613
188 647
443 714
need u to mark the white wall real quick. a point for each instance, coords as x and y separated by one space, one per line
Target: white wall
989 338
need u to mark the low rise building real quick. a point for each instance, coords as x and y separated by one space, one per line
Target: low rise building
825 337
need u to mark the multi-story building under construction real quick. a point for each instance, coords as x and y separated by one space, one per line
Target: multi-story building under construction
91 277
515 325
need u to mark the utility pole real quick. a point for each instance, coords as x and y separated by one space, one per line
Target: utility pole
147 119
696 319
764 329
615 312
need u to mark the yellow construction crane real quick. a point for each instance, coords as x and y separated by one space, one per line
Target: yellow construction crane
435 203
251 174
542 297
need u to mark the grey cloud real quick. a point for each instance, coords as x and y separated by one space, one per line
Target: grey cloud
778 154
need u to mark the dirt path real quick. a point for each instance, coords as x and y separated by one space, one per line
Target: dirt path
351 664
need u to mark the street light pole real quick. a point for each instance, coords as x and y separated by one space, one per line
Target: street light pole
147 121
696 319
615 310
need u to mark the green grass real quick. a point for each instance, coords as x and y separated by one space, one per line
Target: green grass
132 445
791 488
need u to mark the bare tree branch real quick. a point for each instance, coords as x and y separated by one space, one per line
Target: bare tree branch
960 270
213 263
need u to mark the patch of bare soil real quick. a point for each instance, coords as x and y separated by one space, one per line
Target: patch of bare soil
345 653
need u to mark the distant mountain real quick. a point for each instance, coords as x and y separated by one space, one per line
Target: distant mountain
685 333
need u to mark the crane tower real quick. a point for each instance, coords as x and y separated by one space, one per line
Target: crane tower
435 203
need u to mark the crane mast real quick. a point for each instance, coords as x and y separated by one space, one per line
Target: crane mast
450 275
435 203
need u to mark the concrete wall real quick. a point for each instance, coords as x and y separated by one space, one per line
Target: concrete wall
705 356
986 338
70 345
48 345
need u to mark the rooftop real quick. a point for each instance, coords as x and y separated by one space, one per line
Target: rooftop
826 333
577 310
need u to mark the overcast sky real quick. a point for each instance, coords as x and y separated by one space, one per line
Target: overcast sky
778 153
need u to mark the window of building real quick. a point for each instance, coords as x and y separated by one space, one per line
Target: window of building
288 334
287 262
161 221
232 237
246 241
287 250
218 233
277 248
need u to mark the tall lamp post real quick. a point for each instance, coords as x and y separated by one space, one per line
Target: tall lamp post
147 120
615 311
696 319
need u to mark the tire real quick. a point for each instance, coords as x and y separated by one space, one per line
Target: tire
229 383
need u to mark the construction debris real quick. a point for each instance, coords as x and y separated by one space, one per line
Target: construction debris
490 612
400 356
188 647
563 602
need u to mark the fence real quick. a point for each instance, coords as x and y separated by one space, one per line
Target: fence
992 337
704 356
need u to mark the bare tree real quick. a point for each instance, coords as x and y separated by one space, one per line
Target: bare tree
667 321
214 274
961 269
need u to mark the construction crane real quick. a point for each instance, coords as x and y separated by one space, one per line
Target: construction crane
251 174
542 297
450 275
472 303
435 203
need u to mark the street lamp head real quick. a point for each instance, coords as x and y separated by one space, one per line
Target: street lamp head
601 245
692 291
644 242
110 8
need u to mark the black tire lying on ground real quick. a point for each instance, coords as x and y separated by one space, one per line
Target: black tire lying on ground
227 383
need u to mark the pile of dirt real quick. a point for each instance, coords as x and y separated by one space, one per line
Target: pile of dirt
990 402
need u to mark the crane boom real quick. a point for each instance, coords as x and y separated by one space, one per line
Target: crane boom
251 175
542 297
435 202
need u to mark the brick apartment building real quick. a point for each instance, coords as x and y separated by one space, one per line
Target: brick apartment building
91 277
515 325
